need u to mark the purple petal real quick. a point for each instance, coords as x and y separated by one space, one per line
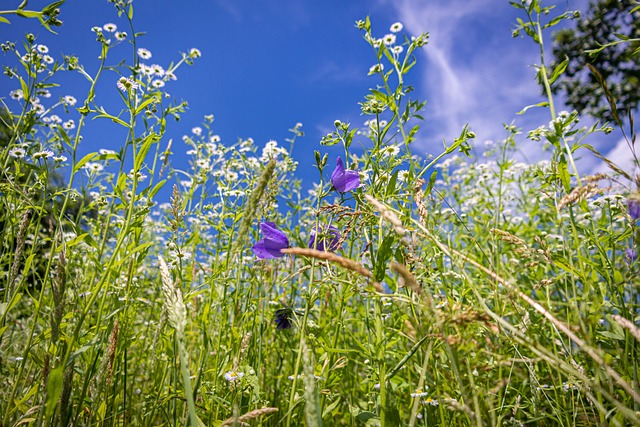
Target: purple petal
274 240
633 208
328 239
344 180
273 236
264 251
338 172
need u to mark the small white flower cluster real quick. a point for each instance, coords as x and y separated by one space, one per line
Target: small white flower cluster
271 151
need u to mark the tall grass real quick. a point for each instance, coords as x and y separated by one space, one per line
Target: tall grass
461 291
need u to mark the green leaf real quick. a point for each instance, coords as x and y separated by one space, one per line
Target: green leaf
539 104
563 171
28 13
144 149
83 161
557 72
4 20
382 257
54 390
432 182
146 102
391 186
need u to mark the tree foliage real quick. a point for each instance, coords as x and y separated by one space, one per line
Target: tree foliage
607 21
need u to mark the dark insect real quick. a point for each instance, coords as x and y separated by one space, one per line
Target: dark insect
283 318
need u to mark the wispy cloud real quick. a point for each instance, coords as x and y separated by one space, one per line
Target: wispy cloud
475 72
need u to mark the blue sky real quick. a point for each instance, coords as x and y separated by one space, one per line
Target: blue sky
267 65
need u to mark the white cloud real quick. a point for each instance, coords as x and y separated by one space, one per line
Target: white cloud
474 72
621 156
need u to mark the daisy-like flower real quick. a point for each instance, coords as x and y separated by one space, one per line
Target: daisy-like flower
215 138
125 84
144 53
232 376
121 35
69 124
69 100
344 180
44 154
430 401
389 39
390 151
419 393
397 50
17 153
60 159
377 68
170 75
17 94
196 131
47 59
194 53
396 27
42 48
324 238
93 167
55 119
157 70
273 241
157 83
403 175
110 27
96 29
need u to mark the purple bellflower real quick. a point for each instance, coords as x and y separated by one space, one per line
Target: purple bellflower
324 238
274 240
632 255
344 180
283 318
633 207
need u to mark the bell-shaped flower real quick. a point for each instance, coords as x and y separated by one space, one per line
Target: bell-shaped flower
273 241
344 180
633 207
324 238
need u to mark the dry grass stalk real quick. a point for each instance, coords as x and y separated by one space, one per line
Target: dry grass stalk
418 194
329 256
557 323
508 237
580 193
165 157
243 349
628 325
256 413
253 202
113 344
595 178
20 238
387 214
173 302
408 278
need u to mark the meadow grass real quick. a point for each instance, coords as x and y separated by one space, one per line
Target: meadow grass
459 289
